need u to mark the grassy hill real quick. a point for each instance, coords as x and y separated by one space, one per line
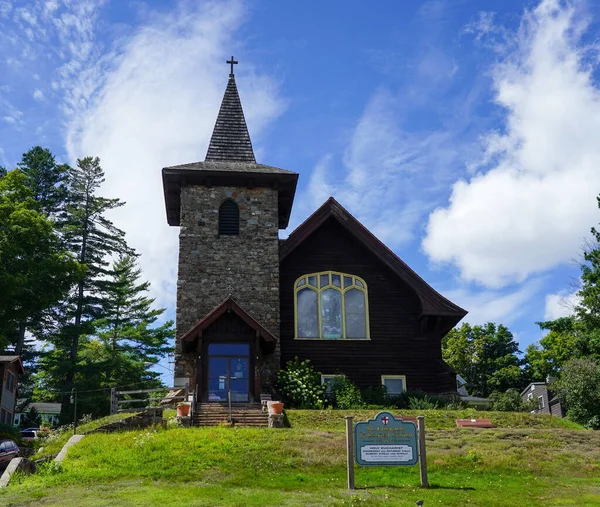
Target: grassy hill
529 460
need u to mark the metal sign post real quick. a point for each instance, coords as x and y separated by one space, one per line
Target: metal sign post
350 451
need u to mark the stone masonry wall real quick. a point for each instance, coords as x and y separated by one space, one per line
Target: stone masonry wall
211 266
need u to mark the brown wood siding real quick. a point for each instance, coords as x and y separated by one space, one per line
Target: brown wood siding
397 345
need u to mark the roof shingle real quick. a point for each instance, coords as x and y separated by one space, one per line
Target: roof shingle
230 139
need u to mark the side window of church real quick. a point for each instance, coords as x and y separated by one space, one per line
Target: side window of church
229 219
331 306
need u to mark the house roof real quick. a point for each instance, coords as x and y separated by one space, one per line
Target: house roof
230 139
532 384
11 359
44 408
228 305
432 302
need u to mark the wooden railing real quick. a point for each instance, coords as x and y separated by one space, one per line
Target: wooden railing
122 401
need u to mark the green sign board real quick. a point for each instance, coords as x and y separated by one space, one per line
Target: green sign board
385 440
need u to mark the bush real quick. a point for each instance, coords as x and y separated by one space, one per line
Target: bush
9 432
376 396
300 385
579 389
510 401
345 394
424 403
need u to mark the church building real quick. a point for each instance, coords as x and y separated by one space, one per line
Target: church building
249 302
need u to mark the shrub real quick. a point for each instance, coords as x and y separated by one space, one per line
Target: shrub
345 394
510 401
300 385
424 403
9 432
376 395
579 388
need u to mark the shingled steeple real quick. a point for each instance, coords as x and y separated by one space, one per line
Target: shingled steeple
230 140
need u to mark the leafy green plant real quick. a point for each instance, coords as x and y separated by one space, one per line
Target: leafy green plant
424 403
473 456
345 394
510 401
376 395
9 432
300 385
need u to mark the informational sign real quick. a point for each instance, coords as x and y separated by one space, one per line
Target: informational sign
386 440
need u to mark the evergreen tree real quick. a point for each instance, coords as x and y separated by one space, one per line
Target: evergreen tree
93 239
126 341
45 178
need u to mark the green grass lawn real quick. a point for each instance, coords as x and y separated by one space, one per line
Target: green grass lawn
528 461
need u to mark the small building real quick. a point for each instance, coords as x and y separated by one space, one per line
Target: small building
49 413
547 402
10 369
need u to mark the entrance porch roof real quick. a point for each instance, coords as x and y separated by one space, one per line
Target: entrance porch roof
229 305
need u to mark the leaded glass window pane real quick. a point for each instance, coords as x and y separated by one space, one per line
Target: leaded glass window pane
312 280
308 319
336 280
301 282
347 281
324 280
331 314
359 283
356 325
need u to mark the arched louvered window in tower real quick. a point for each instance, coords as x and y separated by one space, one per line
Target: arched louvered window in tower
229 219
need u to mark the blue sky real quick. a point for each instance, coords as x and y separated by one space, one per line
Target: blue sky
466 139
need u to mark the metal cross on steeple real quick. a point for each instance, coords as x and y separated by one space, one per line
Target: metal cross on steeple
232 62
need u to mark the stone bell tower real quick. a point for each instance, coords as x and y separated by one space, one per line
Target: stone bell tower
229 210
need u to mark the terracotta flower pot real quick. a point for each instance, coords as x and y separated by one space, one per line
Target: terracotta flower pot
277 408
183 410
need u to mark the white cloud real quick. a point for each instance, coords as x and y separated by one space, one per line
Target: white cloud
38 95
386 172
155 107
5 8
560 305
532 208
10 120
503 307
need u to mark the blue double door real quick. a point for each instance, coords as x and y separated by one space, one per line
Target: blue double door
229 372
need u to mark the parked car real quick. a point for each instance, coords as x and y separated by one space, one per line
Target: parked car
29 435
8 451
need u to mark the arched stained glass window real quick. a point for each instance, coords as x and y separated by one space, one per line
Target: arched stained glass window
331 306
229 219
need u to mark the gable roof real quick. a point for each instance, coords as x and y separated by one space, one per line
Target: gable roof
229 305
12 359
432 302
533 384
230 139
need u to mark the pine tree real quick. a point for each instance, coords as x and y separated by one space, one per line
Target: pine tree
127 329
93 239
45 178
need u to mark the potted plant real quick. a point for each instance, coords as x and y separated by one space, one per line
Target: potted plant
183 409
277 407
